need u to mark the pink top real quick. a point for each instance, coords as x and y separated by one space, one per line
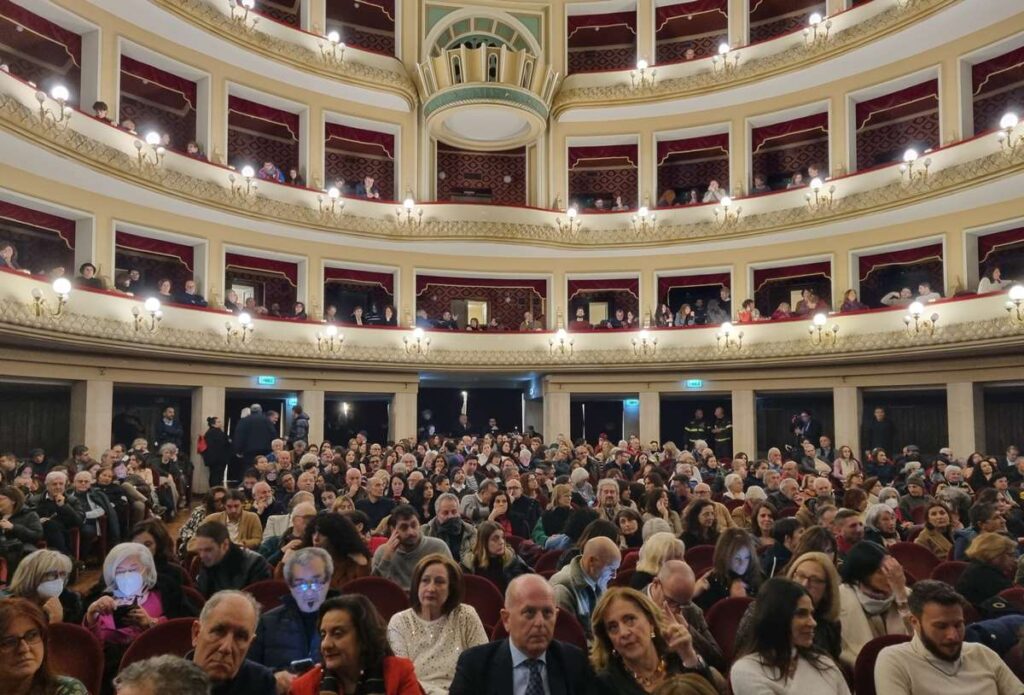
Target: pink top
105 629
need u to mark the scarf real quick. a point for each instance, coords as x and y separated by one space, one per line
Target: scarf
872 603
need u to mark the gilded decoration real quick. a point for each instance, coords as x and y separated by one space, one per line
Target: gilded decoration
351 69
18 320
753 69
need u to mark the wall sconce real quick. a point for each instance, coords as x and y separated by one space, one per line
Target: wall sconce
406 217
729 214
240 13
62 117
329 340
561 343
645 344
152 151
572 224
419 344
720 64
644 220
822 335
336 206
729 338
237 189
641 78
62 288
1015 306
913 168
242 330
1008 141
917 323
817 33
333 52
151 319
817 199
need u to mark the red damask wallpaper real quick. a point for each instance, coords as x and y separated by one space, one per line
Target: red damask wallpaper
616 299
604 58
674 50
506 304
769 29
373 41
245 147
148 117
988 110
153 268
585 184
779 165
684 176
37 250
286 11
270 289
44 77
888 142
352 169
482 170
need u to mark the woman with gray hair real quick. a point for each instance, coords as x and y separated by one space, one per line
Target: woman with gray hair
162 675
880 525
42 577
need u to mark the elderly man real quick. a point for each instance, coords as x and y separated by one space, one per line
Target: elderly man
448 525
162 675
278 523
397 558
477 507
220 640
288 633
59 512
291 537
264 504
97 509
243 527
786 495
672 591
580 584
224 564
607 499
530 661
702 491
376 505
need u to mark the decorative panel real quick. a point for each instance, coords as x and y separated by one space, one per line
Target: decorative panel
888 142
506 304
466 172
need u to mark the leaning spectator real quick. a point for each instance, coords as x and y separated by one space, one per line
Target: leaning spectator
269 172
992 561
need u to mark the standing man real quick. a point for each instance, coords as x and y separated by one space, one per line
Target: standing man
253 437
879 433
169 430
697 429
299 430
721 430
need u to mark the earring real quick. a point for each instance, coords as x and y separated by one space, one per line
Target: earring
653 634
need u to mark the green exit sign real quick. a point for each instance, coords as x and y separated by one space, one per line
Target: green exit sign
266 380
694 383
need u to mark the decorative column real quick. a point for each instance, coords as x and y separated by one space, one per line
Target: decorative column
313 16
403 413
109 72
838 137
744 422
650 416
312 402
834 6
92 411
103 242
950 101
218 145
315 159
216 281
954 264
645 40
965 407
739 22
406 296
556 414
315 302
739 149
846 413
207 401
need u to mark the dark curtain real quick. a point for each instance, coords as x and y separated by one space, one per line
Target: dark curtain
775 414
503 404
364 415
1004 419
919 417
137 412
589 418
37 250
35 416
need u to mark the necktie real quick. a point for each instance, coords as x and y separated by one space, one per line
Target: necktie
535 684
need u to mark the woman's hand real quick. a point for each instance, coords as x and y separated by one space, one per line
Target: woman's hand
702 584
54 610
738 589
678 638
5 525
893 572
140 618
662 507
104 605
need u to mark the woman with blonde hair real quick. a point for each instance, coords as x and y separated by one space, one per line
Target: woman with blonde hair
42 577
552 522
992 562
655 552
493 558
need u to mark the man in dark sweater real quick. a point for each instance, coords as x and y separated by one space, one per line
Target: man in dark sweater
376 505
879 433
224 564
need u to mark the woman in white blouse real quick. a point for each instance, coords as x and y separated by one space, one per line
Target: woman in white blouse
438 627
778 655
992 281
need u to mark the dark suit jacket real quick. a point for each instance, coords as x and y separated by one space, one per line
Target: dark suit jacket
488 669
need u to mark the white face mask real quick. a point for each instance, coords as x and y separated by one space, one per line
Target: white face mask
50 589
892 502
129 583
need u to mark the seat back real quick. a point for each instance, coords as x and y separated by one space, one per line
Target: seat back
484 596
949 571
1014 595
623 578
548 561
74 651
172 637
916 559
700 558
723 620
864 667
268 592
388 597
194 596
567 629
515 542
629 560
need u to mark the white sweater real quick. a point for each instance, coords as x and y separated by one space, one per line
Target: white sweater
434 647
749 676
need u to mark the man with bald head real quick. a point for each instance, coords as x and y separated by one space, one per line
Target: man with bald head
672 591
530 661
579 585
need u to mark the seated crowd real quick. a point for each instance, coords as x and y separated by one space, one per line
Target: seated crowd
624 568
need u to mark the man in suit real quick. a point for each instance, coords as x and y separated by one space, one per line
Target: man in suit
530 661
253 436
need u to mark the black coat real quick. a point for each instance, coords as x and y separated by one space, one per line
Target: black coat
100 500
981 581
27 531
488 669
218 448
69 515
238 569
879 435
173 433
254 435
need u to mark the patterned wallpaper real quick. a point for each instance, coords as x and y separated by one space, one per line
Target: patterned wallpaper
270 288
37 250
146 117
606 58
153 268
616 299
353 169
764 31
684 176
888 142
988 110
286 11
346 295
45 77
373 41
885 280
486 170
674 50
779 165
507 304
584 184
772 294
245 147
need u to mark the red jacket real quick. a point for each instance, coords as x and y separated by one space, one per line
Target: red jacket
399 679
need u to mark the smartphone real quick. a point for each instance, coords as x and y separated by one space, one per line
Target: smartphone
300 666
121 612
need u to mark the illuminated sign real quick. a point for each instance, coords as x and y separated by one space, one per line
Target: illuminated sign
264 380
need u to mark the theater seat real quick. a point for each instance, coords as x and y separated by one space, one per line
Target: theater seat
629 560
388 597
700 558
1014 595
567 629
623 577
864 667
548 561
949 571
194 596
172 637
916 559
74 651
723 619
484 596
268 593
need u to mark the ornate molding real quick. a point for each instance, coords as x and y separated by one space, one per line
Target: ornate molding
18 118
351 70
19 323
752 70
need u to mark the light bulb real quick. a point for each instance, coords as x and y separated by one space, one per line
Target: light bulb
571 213
726 201
1008 121
248 172
643 211
644 334
408 203
815 19
816 184
62 286
60 92
417 333
727 327
910 155
334 37
916 308
333 193
1016 293
152 305
641 64
723 48
244 318
153 138
331 331
248 4
560 334
820 319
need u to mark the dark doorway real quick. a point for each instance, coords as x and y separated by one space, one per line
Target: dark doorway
590 417
236 401
346 415
503 404
35 416
138 409
1004 418
776 414
678 410
918 416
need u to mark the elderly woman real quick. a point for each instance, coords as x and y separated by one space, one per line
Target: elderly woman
581 486
170 576
637 645
992 562
872 598
937 535
20 528
734 487
880 525
655 552
357 657
42 577
779 654
493 558
735 570
24 668
438 627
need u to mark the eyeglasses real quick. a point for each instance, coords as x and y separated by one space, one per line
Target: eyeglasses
804 579
31 638
314 585
56 574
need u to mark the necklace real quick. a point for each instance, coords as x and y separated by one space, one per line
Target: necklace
647 682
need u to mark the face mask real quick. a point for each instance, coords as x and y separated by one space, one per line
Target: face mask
892 502
129 583
872 605
50 589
